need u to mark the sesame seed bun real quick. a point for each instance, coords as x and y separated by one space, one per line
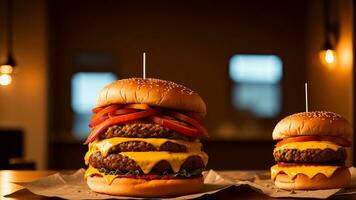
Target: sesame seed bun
339 179
316 123
154 92
146 188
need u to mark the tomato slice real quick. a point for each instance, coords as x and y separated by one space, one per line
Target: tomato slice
190 121
96 110
192 132
197 116
336 140
119 120
104 111
123 111
97 122
138 106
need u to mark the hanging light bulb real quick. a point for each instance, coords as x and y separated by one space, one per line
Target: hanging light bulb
7 71
8 68
328 54
5 79
328 57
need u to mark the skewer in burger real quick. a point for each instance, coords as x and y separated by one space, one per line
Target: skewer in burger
144 140
310 151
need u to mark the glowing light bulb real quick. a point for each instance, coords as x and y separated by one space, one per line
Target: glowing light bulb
5 79
6 69
330 56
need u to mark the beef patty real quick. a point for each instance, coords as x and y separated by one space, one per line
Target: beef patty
139 146
123 163
310 155
142 129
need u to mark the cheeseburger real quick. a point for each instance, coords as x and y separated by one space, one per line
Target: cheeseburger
144 140
310 151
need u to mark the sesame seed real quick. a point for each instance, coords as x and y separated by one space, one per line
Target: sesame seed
152 83
331 116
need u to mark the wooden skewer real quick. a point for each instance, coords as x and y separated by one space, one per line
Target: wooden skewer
144 65
306 97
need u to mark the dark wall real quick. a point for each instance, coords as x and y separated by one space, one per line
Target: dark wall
189 42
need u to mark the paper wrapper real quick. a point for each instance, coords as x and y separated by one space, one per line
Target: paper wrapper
74 187
261 182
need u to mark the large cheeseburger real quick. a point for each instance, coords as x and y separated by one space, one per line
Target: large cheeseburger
144 140
310 151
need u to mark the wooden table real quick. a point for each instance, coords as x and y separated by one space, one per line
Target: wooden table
8 176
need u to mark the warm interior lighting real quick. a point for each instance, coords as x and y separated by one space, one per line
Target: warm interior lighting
327 53
6 72
6 69
328 57
5 79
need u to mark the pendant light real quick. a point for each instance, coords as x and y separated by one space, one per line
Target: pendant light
7 69
327 53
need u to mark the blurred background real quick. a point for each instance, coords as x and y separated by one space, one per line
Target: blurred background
249 60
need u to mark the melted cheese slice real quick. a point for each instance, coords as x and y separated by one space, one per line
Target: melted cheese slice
92 171
309 171
309 145
147 160
105 145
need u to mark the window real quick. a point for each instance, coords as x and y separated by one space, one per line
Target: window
256 84
85 87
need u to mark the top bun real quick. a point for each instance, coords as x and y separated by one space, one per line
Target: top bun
151 91
316 123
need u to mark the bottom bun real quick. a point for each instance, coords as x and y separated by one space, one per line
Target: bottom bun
339 179
146 188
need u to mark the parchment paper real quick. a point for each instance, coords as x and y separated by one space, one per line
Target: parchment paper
264 185
74 187
260 182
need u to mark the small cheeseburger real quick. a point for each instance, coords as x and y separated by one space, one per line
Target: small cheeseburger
310 151
144 140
